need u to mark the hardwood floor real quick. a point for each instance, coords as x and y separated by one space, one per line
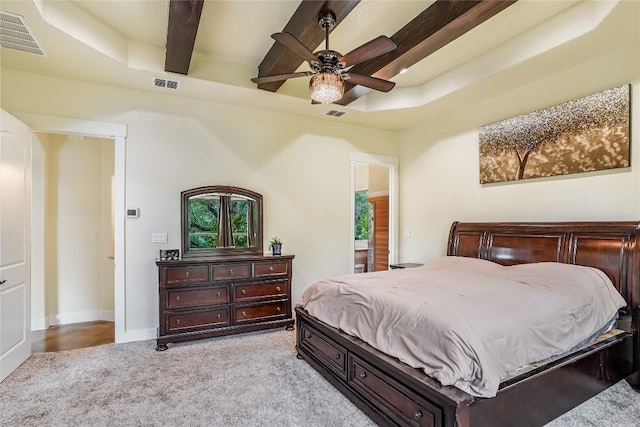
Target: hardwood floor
76 335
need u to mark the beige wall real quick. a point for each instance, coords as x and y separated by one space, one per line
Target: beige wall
439 163
39 170
378 180
299 165
79 285
362 177
373 178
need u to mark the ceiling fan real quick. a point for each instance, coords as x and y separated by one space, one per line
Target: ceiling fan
328 67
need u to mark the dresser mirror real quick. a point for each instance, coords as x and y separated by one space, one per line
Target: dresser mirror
220 220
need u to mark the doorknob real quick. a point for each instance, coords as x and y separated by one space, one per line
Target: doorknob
2 282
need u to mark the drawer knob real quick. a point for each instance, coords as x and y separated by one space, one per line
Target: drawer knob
244 314
177 321
186 274
244 292
271 268
231 271
218 294
337 356
278 309
278 289
417 415
219 316
177 297
363 375
307 335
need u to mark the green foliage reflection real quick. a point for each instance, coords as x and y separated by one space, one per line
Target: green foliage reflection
362 215
204 222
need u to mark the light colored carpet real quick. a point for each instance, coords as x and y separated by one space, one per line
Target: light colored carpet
248 380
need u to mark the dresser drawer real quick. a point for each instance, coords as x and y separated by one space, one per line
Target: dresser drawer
401 403
260 290
197 319
261 312
196 297
333 355
175 275
231 271
272 268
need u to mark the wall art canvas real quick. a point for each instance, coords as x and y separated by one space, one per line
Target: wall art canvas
587 134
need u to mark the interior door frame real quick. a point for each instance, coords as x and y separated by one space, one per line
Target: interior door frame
355 158
107 130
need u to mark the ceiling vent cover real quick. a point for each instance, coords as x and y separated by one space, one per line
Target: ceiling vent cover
15 34
166 83
336 113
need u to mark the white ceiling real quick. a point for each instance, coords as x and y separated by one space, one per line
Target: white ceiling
121 43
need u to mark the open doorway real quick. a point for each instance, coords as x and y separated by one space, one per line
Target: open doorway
374 212
371 221
73 270
117 132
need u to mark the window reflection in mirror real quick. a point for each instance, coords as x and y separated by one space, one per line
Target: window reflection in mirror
205 219
219 220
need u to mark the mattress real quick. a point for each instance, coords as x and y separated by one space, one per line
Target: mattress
469 322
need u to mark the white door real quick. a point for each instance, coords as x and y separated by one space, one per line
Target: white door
15 246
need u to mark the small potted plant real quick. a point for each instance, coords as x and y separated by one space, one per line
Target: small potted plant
276 246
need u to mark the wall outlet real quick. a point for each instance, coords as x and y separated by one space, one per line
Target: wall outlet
407 232
159 238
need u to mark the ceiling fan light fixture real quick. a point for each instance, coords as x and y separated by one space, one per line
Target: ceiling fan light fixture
326 88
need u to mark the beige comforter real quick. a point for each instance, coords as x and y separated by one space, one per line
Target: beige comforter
469 322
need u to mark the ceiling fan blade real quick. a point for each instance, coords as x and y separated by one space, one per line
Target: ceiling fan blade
371 49
278 77
371 82
295 45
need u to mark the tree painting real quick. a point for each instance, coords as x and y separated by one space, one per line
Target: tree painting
587 134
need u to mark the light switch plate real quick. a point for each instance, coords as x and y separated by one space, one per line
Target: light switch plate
159 238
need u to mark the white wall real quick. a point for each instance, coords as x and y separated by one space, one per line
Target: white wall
300 166
439 169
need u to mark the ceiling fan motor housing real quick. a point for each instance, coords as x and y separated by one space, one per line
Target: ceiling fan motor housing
327 20
329 61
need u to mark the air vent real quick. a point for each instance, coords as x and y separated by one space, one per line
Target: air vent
15 34
166 83
336 113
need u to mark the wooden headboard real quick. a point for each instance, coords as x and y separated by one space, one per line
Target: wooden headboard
613 247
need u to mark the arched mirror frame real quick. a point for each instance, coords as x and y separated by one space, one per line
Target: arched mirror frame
188 252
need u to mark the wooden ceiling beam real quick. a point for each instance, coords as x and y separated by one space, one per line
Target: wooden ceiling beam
439 24
184 18
303 25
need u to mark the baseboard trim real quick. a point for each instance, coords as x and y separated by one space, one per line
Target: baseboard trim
137 335
39 324
80 317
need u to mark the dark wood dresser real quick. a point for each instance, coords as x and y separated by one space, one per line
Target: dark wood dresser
203 298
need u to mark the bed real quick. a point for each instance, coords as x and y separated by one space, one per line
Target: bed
394 393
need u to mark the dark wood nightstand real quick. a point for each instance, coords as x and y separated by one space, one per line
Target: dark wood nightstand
404 265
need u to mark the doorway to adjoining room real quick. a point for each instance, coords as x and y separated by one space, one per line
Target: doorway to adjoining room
374 188
371 222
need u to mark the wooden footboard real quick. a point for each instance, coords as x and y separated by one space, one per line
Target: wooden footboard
392 393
